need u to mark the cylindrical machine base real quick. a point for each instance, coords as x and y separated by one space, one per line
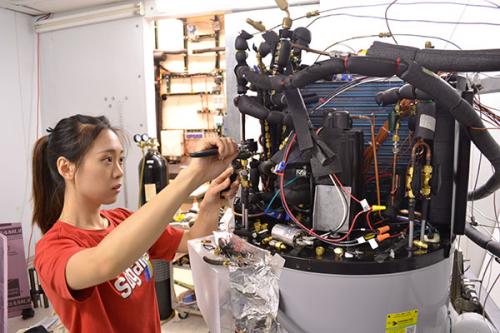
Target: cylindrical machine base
319 302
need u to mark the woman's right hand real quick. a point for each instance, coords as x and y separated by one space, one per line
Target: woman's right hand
207 168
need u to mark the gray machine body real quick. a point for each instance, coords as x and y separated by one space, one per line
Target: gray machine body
333 303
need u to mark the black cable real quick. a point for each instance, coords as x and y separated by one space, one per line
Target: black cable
493 3
456 25
410 21
336 91
43 17
481 280
485 225
473 218
387 21
381 36
495 6
488 294
348 46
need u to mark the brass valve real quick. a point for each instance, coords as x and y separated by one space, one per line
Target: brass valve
427 175
320 251
409 179
287 22
339 252
257 25
420 244
312 13
266 240
277 245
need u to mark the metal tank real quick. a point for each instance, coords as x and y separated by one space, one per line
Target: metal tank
368 303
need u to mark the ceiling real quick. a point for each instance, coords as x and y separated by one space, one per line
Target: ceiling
39 7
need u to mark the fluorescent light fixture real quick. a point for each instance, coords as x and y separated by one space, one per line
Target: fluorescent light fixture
90 17
184 8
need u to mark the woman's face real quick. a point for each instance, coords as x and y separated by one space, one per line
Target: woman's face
99 176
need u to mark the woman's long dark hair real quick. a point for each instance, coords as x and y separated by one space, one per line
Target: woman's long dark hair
71 138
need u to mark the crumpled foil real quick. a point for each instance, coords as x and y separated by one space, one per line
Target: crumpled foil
254 290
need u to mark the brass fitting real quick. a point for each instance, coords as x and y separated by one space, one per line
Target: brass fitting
338 251
266 240
287 22
420 244
320 251
312 13
277 245
427 175
257 25
260 64
244 174
409 179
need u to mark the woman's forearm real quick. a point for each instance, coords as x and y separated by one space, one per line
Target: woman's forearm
134 236
206 222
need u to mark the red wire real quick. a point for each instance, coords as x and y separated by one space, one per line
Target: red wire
346 191
398 234
334 175
289 212
368 221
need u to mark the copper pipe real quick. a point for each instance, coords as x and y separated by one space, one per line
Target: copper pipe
307 49
371 119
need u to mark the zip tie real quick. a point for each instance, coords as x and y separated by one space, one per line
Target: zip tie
365 205
280 167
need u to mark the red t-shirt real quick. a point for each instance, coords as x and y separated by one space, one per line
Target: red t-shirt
125 304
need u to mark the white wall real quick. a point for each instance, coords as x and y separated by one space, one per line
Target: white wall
102 69
19 119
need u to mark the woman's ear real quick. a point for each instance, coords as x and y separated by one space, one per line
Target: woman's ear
65 168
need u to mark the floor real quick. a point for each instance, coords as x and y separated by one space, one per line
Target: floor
192 324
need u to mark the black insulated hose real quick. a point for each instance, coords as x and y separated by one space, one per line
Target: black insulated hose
368 66
261 81
392 95
251 106
482 240
421 78
447 97
440 60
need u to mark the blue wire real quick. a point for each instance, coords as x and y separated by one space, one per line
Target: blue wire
276 194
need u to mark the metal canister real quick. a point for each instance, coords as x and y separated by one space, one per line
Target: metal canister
286 234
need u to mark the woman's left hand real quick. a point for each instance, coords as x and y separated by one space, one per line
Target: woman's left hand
220 191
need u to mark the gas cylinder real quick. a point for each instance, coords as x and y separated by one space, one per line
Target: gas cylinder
154 169
153 177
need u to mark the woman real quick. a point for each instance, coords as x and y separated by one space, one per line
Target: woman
94 265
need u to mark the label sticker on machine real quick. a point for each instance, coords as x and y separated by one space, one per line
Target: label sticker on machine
428 122
403 322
